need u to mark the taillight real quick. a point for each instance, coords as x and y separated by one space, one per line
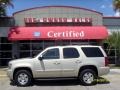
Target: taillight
106 61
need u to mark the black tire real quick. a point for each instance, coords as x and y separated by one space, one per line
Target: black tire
23 78
87 77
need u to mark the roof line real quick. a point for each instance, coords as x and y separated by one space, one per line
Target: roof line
58 6
111 17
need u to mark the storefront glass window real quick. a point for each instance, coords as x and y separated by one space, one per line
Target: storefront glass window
78 42
35 52
67 42
5 51
24 54
5 47
25 46
58 42
37 46
49 43
6 54
4 61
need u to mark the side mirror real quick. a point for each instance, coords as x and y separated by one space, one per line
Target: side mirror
40 58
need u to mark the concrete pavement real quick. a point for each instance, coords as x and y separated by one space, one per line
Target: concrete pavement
3 72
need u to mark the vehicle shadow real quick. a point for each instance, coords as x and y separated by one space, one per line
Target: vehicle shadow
67 82
55 82
63 82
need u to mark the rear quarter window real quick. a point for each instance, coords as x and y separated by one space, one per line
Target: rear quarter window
92 52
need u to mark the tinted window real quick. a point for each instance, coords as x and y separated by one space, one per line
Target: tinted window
70 53
51 54
92 52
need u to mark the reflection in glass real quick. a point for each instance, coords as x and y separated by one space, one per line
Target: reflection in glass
25 46
24 54
37 46
5 54
48 43
5 47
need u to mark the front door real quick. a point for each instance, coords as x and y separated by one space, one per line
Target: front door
51 63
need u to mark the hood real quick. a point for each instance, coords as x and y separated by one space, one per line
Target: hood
21 60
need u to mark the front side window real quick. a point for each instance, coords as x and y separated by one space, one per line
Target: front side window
70 53
51 54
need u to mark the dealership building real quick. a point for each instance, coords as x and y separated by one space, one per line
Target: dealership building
29 31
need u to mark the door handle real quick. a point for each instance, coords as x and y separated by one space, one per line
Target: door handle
78 61
56 63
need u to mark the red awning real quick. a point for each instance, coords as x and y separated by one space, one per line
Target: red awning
58 33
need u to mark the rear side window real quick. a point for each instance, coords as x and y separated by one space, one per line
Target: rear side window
70 53
92 52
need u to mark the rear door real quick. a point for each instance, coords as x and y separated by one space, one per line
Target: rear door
70 62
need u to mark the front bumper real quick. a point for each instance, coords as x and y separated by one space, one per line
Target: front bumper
10 74
103 71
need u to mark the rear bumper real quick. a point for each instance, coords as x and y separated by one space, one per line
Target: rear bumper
103 71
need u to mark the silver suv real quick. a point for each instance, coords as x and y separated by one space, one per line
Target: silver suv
84 62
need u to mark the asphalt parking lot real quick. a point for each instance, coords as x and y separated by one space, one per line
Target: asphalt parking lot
113 77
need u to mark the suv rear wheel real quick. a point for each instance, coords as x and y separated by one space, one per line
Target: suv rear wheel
23 78
87 77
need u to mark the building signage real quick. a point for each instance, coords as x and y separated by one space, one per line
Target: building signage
57 20
59 33
65 34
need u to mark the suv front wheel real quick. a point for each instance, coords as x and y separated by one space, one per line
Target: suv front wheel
23 78
87 77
